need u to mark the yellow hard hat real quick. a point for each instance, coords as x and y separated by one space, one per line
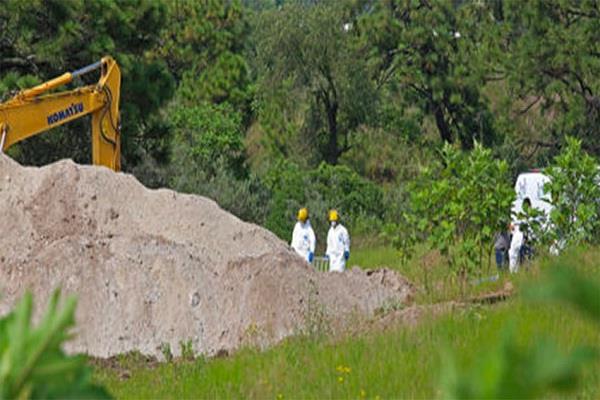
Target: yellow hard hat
303 214
333 216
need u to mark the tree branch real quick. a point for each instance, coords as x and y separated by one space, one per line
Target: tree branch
526 109
585 89
559 75
494 78
422 91
22 63
538 144
580 13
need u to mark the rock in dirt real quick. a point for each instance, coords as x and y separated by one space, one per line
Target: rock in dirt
154 267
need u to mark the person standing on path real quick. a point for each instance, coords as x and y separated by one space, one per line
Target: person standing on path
338 243
303 236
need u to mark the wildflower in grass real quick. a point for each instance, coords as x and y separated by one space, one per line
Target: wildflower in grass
363 393
343 369
340 379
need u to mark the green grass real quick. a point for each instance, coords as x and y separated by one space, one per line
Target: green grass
428 271
378 256
401 362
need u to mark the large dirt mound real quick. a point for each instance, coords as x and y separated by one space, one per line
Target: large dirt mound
152 267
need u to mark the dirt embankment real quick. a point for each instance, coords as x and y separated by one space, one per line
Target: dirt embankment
155 266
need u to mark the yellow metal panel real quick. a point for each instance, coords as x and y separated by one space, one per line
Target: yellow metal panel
106 137
46 86
39 114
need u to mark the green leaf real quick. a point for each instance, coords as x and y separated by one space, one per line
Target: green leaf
32 363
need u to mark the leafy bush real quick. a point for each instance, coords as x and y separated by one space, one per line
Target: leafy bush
32 363
247 197
574 190
204 134
319 189
208 159
458 206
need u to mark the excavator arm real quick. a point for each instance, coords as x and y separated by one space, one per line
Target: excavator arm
33 111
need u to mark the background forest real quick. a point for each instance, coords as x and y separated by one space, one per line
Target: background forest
269 105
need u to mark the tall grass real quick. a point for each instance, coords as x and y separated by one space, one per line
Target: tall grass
401 362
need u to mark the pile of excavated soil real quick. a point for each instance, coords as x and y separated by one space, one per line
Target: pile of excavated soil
154 267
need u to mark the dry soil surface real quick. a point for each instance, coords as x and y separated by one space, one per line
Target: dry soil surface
154 267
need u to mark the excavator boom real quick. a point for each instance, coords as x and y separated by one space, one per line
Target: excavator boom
35 110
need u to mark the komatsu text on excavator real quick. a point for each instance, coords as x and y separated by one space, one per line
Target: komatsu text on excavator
34 110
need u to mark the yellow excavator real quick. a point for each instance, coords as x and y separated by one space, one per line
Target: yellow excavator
35 110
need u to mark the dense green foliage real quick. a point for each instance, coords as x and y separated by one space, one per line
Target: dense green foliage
574 190
548 52
428 57
203 43
320 189
205 134
256 103
311 51
32 361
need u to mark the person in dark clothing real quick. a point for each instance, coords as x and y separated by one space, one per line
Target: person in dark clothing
501 246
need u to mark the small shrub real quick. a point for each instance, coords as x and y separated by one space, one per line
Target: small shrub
165 349
389 306
187 350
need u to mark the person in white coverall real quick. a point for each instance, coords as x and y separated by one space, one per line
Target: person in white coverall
520 245
338 243
303 236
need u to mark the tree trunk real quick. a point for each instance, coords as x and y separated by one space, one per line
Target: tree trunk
442 124
333 152
329 101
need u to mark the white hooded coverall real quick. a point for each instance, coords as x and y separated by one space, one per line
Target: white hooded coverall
338 242
515 246
303 239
